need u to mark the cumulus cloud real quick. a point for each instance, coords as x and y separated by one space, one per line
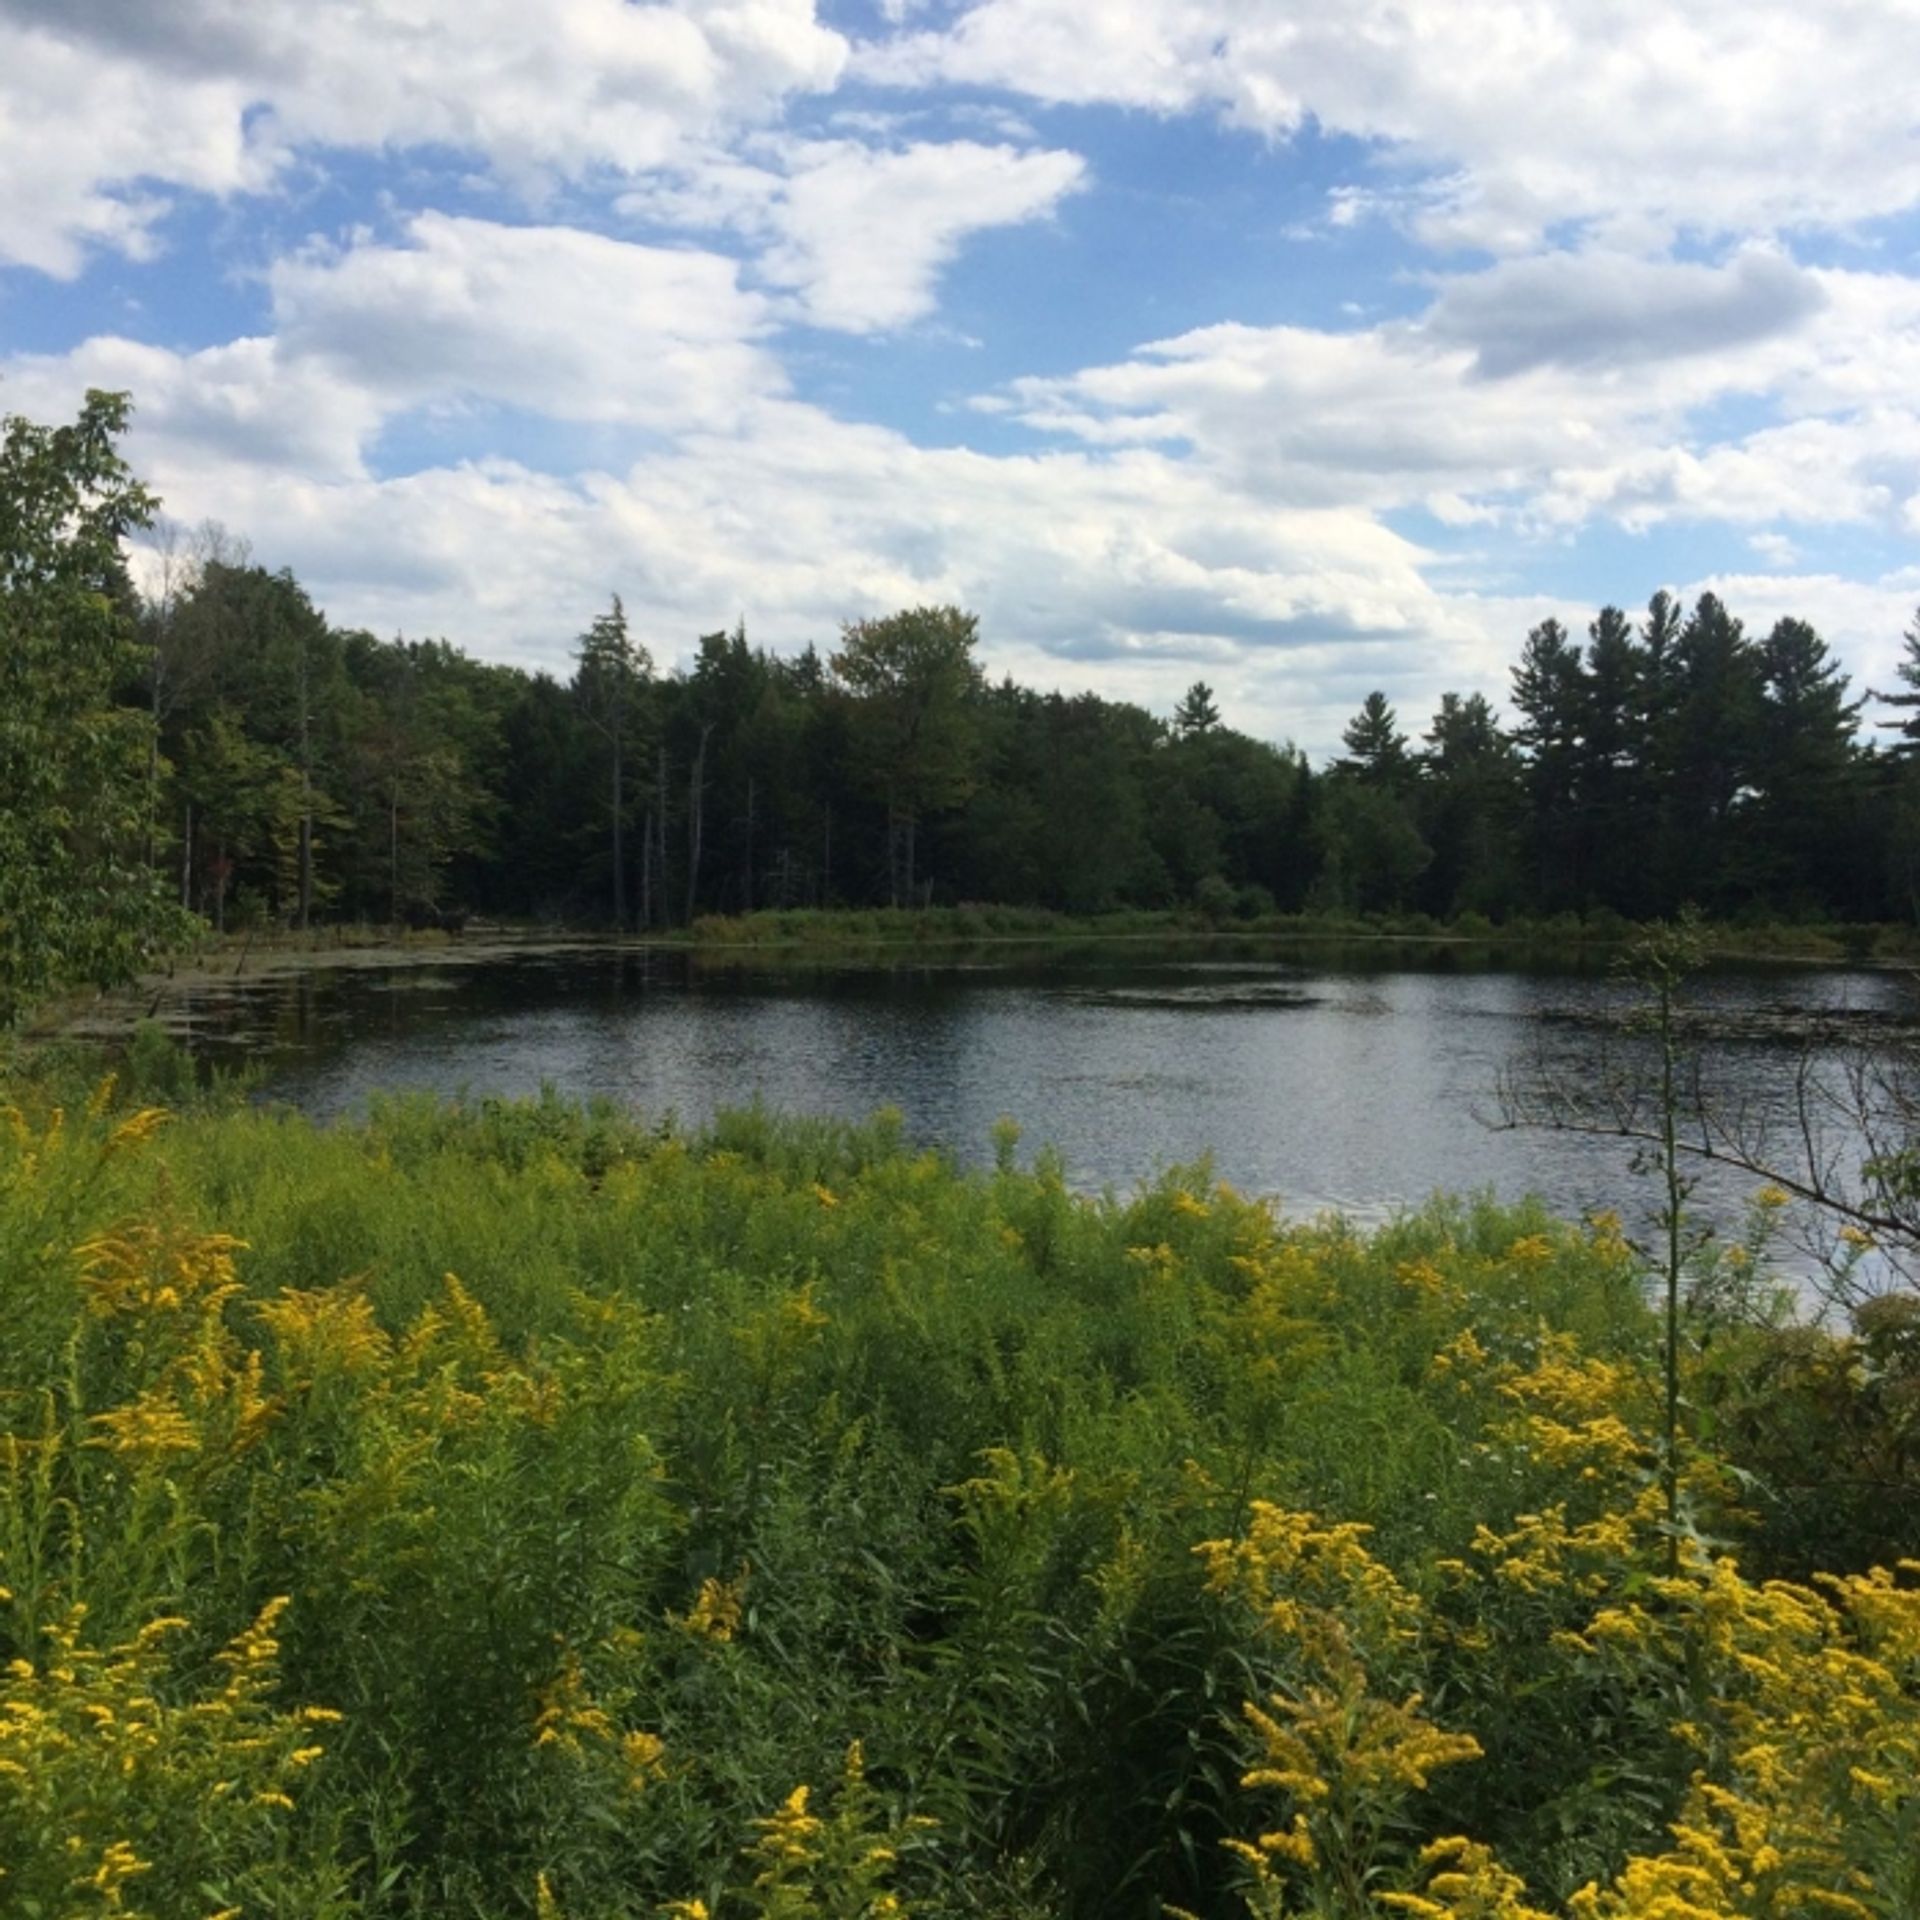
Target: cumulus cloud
82 142
107 105
1728 116
1595 413
1604 310
548 320
239 409
551 319
862 233
858 234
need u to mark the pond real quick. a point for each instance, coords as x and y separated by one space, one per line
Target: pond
1361 1079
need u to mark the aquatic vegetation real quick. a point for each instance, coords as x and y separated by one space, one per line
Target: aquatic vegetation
499 1510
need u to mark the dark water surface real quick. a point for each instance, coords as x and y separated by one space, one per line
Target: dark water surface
1357 1079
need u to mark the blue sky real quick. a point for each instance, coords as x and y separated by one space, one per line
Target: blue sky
1305 349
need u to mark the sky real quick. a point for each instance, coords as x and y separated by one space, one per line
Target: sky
1300 348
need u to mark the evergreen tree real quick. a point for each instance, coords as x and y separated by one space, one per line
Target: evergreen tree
609 684
1710 749
1196 712
1468 804
1550 693
1610 781
1376 748
1806 775
1907 703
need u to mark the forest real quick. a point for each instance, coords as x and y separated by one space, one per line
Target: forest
306 771
296 771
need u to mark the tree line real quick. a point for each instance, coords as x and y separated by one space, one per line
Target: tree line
297 770
216 738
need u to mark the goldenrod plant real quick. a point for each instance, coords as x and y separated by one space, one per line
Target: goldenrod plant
496 1509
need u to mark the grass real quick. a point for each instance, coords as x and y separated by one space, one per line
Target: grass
851 929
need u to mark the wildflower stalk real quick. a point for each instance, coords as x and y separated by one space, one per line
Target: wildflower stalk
1662 963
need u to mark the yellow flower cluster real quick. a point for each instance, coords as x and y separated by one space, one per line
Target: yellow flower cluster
1813 1729
806 1863
1312 1583
1803 1707
717 1610
162 1290
93 1750
1344 1757
1465 1882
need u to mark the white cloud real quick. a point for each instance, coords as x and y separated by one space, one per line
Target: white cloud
549 319
82 140
1728 116
240 408
104 105
858 235
863 233
557 323
1519 398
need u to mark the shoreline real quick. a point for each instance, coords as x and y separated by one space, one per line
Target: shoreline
243 961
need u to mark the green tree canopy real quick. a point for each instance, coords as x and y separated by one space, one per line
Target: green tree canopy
916 690
77 902
1375 744
1196 712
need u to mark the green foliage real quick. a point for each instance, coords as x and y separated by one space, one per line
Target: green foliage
614 1484
77 904
293 770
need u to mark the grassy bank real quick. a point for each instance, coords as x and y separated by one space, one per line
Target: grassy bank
848 930
512 1510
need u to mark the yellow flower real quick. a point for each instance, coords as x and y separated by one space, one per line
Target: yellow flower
717 1609
645 1755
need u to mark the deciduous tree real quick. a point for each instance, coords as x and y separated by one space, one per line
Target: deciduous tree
77 900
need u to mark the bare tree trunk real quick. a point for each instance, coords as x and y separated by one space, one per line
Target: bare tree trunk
646 872
186 861
619 858
153 758
746 875
306 793
306 850
696 808
660 831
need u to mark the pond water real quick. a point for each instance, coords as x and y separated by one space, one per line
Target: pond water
1357 1079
